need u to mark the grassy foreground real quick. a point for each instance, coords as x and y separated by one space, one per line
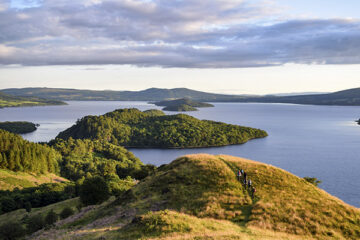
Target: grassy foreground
199 197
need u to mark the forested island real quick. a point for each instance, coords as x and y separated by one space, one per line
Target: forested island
180 108
182 105
20 127
19 101
133 128
358 121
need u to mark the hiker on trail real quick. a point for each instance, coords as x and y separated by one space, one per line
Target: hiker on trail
245 182
245 175
253 190
249 183
242 172
239 174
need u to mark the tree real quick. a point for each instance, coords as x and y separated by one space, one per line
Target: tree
66 212
51 218
94 191
11 230
35 223
27 206
312 180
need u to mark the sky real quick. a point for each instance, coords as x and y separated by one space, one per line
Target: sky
224 46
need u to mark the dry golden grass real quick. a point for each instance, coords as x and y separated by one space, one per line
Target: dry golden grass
207 202
10 180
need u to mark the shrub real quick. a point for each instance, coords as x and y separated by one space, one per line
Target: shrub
11 230
94 191
35 223
51 218
27 206
8 204
312 180
66 212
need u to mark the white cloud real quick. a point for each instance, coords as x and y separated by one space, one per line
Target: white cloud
187 33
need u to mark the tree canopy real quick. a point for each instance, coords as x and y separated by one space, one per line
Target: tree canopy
133 128
17 154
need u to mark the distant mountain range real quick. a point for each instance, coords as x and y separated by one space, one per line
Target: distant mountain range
350 97
18 101
151 94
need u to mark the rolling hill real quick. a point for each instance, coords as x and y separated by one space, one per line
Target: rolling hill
151 94
350 97
199 197
17 101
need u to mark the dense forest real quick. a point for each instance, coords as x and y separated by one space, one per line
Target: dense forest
18 127
17 154
133 128
86 158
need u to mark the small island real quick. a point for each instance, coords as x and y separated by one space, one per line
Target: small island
19 127
180 108
358 121
182 105
134 128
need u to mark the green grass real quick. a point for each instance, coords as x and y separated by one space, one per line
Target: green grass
18 215
199 197
10 180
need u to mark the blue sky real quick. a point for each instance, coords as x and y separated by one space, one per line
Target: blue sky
231 46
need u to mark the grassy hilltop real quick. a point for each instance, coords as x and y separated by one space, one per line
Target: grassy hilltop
199 197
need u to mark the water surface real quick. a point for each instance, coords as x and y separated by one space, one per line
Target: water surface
315 141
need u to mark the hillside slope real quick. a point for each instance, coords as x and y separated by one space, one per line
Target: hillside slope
350 97
10 180
206 201
18 101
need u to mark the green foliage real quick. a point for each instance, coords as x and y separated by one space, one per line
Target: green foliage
51 218
27 206
154 112
35 223
18 127
94 191
86 158
133 128
66 212
42 195
11 231
18 154
312 180
180 108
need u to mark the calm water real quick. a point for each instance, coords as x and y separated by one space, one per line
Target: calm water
316 141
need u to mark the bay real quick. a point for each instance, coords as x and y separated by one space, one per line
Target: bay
315 141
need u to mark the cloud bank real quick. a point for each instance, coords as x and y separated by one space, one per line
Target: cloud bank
182 33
